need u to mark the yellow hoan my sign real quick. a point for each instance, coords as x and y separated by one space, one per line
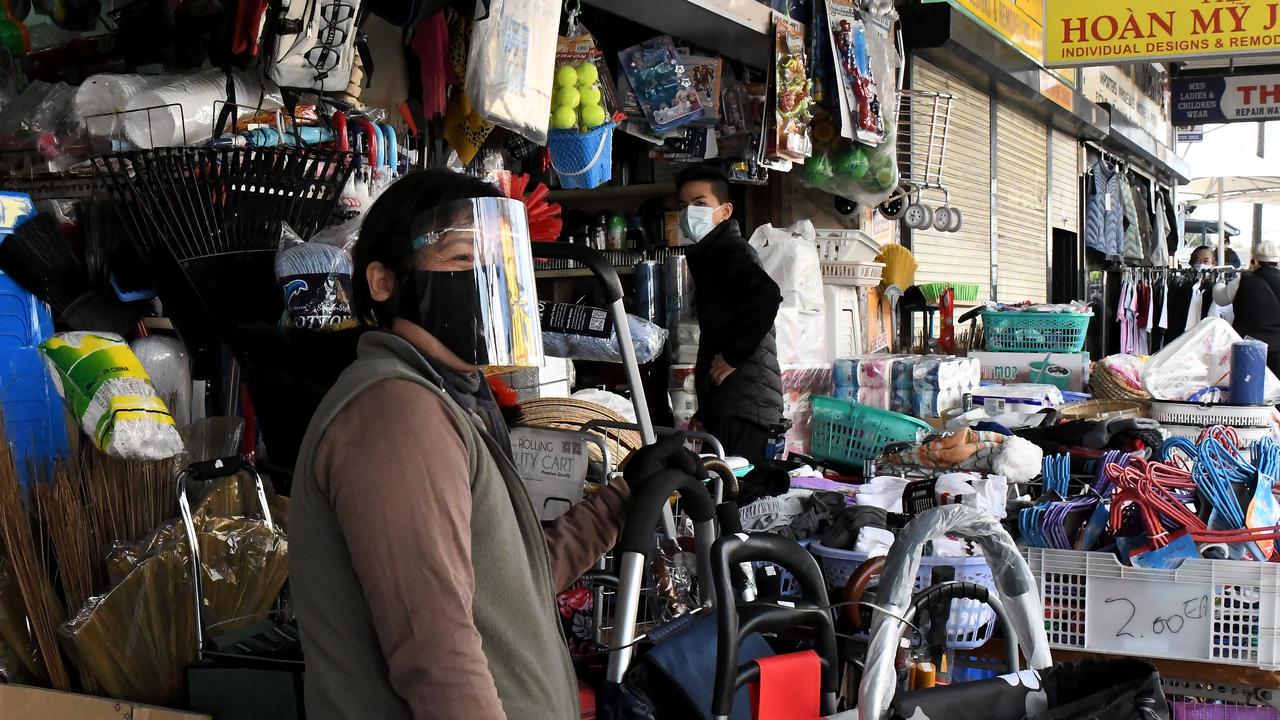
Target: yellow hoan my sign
1105 32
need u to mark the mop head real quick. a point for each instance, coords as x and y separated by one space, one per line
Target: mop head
899 266
111 396
1019 460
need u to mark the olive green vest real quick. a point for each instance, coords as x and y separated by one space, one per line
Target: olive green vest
514 607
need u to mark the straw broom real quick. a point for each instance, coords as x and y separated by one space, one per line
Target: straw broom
30 571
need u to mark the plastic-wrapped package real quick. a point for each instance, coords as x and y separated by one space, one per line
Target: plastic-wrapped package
673 567
511 66
183 111
1199 358
648 339
100 96
41 117
137 638
111 396
315 277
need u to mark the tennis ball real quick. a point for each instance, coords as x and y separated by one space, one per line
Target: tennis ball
590 94
564 118
566 76
851 162
593 115
567 97
885 178
588 73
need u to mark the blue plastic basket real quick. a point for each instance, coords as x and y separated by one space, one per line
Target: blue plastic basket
851 433
1017 331
582 160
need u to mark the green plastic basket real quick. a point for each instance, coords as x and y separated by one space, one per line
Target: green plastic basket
852 433
1017 331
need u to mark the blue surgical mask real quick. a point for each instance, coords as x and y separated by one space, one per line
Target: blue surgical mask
696 221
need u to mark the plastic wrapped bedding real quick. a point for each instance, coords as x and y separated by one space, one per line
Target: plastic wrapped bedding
647 338
1013 580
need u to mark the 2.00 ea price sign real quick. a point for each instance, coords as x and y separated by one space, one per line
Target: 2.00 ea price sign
1151 619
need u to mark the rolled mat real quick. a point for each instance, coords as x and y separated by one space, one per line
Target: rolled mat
647 284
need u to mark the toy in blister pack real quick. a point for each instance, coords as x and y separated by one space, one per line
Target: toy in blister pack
705 72
791 87
859 95
662 88
733 118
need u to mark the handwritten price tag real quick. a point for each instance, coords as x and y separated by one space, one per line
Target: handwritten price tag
1154 619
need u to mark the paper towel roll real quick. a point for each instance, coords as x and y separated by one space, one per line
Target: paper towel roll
189 102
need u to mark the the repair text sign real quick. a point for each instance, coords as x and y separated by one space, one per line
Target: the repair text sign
1200 100
1103 32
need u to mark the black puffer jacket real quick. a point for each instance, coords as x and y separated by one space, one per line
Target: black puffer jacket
737 303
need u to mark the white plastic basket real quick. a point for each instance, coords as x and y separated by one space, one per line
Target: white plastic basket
1181 418
1218 611
858 274
970 623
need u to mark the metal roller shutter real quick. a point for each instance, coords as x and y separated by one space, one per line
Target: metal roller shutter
1022 176
1064 192
963 256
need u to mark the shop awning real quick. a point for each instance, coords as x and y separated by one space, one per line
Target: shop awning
1236 179
1158 157
737 29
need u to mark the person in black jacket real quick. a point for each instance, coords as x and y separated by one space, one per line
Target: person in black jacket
738 381
1257 302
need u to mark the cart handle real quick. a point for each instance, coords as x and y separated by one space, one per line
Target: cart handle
738 620
595 261
206 471
766 617
856 587
647 506
716 446
1016 586
945 592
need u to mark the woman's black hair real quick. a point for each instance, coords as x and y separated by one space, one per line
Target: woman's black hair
386 233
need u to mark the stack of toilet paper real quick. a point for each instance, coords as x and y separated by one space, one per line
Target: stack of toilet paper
882 381
940 383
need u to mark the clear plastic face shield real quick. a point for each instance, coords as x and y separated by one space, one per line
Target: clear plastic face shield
472 285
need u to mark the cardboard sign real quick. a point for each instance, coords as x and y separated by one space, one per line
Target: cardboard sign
553 466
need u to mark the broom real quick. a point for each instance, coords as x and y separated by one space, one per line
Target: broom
30 571
899 273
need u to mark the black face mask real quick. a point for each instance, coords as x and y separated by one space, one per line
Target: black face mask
447 305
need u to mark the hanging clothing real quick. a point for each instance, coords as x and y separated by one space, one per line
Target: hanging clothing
1179 303
1131 248
1195 309
1157 249
1142 204
1104 214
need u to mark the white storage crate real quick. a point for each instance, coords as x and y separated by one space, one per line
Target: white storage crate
1216 611
859 274
970 624
1182 418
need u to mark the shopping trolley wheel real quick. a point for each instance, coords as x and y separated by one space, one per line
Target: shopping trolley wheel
844 205
918 216
956 221
941 218
895 206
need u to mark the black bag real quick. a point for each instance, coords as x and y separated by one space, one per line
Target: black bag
1087 690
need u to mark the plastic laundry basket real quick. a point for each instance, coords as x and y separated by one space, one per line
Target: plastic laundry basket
849 432
1019 331
970 623
582 160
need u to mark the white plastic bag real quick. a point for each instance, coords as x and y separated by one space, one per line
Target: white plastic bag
1197 359
612 401
512 65
790 256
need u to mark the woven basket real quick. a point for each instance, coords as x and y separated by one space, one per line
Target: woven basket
571 414
1098 409
1107 386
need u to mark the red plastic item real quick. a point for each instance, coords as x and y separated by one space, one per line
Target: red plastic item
947 312
586 702
790 687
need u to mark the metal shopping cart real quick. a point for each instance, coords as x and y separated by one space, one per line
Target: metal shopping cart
924 122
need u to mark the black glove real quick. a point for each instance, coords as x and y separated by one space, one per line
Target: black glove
669 453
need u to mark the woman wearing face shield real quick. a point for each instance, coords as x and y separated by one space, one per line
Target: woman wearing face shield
424 584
